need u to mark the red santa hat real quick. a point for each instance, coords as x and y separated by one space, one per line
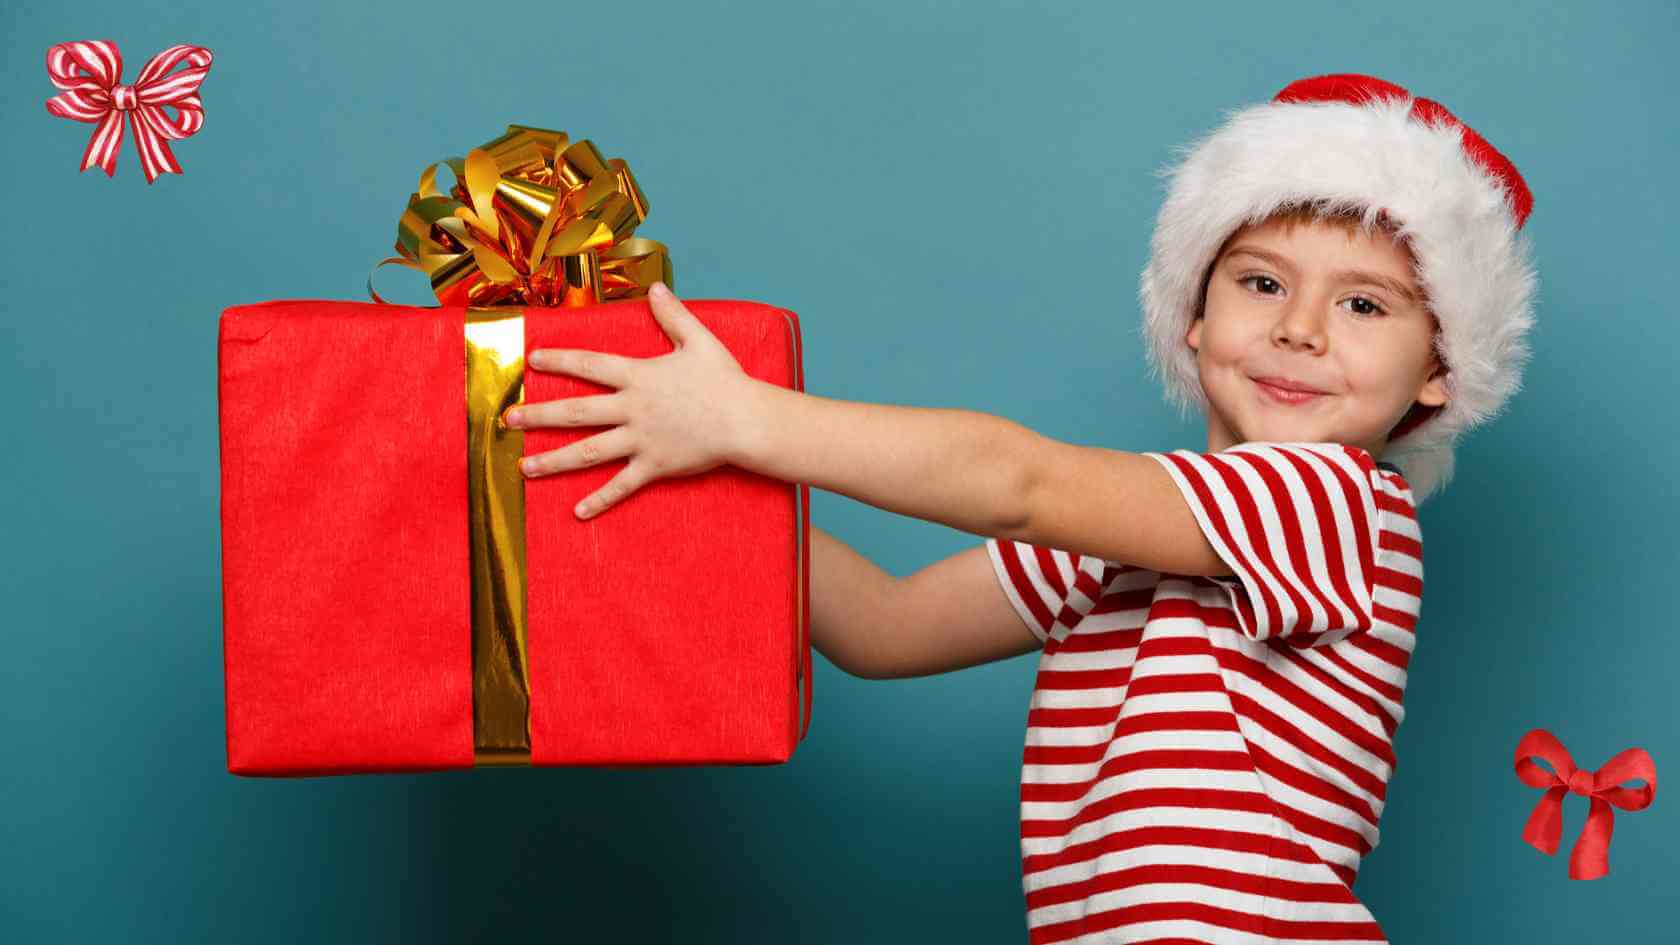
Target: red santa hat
1355 142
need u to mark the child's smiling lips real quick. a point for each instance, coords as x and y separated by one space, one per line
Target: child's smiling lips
1286 391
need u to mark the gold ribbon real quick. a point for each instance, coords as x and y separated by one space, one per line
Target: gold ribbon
530 221
496 537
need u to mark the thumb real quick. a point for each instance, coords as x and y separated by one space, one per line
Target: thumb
673 316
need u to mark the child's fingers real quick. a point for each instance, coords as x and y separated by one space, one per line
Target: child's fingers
595 411
601 447
679 323
628 480
602 367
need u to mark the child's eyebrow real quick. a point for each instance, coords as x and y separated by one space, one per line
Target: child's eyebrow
1345 275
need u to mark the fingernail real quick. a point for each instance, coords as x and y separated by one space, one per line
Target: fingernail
513 417
527 466
661 290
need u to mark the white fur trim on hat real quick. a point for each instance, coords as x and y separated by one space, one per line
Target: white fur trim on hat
1473 263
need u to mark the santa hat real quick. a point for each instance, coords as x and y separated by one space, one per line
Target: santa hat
1355 142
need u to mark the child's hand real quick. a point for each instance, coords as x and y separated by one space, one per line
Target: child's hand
675 415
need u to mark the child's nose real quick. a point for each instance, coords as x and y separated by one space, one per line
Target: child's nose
1301 324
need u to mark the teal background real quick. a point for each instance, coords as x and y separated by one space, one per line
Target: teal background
956 199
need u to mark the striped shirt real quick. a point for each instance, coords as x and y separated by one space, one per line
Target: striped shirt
1206 757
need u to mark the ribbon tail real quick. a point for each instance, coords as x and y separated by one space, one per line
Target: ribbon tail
1591 857
1545 823
399 260
104 143
155 156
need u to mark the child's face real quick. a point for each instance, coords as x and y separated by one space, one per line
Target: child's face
1301 305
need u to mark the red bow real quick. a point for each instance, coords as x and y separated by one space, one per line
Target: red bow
89 72
1591 857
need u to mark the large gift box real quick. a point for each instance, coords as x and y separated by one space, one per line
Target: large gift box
399 597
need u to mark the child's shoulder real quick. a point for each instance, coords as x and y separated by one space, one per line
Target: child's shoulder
1381 474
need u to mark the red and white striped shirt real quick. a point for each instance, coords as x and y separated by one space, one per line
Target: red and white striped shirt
1206 757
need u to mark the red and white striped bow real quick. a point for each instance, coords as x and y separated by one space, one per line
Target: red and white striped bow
91 72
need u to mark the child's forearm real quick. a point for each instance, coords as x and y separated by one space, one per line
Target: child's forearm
959 468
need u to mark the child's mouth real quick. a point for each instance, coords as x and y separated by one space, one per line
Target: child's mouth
1286 396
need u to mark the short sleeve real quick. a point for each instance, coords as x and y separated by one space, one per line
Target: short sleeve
1299 525
1051 590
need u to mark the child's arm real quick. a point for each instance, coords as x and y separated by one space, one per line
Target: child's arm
979 473
947 616
694 409
959 468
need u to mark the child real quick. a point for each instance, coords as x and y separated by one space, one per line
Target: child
1224 634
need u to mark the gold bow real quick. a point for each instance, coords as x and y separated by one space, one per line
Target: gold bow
530 221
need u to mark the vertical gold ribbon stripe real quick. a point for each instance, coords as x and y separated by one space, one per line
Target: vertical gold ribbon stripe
496 521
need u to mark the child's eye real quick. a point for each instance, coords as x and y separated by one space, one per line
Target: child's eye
1258 279
1374 307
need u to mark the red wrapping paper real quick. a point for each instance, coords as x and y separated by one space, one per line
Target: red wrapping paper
668 630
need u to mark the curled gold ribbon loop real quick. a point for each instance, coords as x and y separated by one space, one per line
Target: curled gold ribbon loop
532 219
